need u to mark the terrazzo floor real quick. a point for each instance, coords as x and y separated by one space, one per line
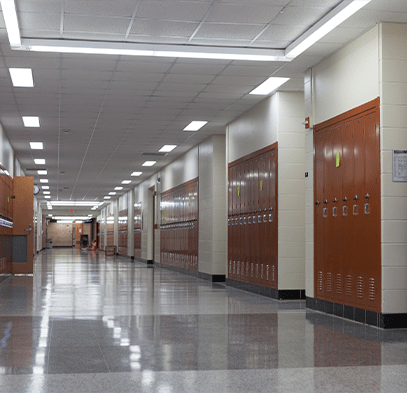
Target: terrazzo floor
89 323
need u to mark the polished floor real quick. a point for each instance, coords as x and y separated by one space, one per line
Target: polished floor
89 323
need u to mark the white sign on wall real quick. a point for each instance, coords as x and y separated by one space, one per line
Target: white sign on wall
400 165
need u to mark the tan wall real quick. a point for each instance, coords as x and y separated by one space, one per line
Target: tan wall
61 234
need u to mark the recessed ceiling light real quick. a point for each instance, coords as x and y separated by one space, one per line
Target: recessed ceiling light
126 181
43 180
269 85
21 77
118 188
46 192
136 173
45 187
167 148
50 215
36 145
10 17
112 193
31 121
42 172
47 196
39 161
195 125
107 197
149 163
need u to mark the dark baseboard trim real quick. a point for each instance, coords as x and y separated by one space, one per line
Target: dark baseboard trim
150 262
367 317
193 273
280 294
125 256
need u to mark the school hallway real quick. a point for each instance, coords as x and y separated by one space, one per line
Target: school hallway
90 323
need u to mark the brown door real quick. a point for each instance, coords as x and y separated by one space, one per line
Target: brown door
23 225
78 234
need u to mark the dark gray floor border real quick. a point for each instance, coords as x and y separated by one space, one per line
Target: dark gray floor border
192 273
279 294
372 318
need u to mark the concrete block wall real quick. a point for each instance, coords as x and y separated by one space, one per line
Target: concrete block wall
61 234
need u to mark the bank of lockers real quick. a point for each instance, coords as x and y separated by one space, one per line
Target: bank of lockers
137 230
347 210
252 219
101 236
122 231
6 220
179 226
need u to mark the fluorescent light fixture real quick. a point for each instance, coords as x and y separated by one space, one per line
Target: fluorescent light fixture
45 187
64 221
269 85
126 181
10 17
43 180
333 19
73 218
112 193
46 192
195 125
21 77
75 203
149 163
107 197
36 145
47 196
42 172
31 121
118 188
50 215
158 50
135 174
39 161
167 148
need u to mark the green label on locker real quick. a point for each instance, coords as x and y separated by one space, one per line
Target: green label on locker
261 185
238 191
338 160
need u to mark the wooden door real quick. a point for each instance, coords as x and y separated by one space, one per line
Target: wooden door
23 225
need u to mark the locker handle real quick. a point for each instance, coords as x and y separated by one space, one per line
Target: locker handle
317 203
334 200
270 209
367 196
264 209
355 198
345 199
325 202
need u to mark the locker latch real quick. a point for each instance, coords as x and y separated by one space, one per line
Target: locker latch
270 218
355 210
324 212
259 219
345 199
355 198
344 211
317 203
254 219
334 211
249 220
367 196
325 201
334 200
264 217
244 221
367 208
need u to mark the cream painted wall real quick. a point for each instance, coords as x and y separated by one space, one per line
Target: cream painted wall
279 118
6 152
393 134
254 130
347 79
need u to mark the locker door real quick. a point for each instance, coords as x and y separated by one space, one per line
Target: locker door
319 227
247 226
357 211
238 220
230 211
265 192
328 219
254 270
234 191
336 213
371 214
272 273
250 265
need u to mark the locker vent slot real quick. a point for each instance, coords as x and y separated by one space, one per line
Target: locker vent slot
339 284
261 272
242 265
349 285
320 281
257 270
247 269
234 267
238 267
230 267
267 272
360 287
372 289
251 269
329 282
272 273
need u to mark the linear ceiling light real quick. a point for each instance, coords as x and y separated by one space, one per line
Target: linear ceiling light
333 19
126 181
21 77
195 125
149 163
167 148
118 188
39 161
43 180
130 49
42 172
36 145
134 174
70 217
45 187
31 121
10 17
269 85
74 203
112 193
